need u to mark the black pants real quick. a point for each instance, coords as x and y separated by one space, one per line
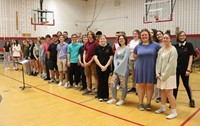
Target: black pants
47 68
185 80
83 77
74 70
103 90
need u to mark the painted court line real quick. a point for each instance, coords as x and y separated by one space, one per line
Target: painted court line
189 118
111 115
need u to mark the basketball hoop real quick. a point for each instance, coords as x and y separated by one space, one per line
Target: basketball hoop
156 17
42 17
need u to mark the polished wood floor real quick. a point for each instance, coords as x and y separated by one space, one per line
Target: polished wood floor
49 105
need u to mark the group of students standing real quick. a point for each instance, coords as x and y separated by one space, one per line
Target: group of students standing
150 57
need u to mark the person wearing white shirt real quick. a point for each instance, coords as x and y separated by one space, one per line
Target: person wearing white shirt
133 43
16 48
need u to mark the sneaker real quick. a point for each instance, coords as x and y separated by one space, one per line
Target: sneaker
160 110
120 102
112 101
39 75
192 103
158 100
68 86
148 107
60 83
76 87
172 115
8 68
51 81
100 99
141 107
56 81
105 99
96 94
118 87
87 92
132 90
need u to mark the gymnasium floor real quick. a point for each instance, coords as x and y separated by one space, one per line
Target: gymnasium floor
49 105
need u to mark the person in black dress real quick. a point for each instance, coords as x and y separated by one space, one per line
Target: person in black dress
103 56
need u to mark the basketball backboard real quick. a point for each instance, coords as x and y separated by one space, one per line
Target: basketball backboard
157 11
42 17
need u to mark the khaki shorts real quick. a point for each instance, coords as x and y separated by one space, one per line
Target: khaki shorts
62 65
91 70
131 64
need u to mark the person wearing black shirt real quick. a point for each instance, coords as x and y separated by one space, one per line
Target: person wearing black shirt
80 52
52 59
67 40
31 58
103 56
185 56
7 54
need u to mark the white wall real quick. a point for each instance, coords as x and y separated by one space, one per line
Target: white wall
126 17
186 16
66 13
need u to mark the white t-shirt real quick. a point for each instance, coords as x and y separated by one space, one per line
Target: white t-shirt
132 46
16 50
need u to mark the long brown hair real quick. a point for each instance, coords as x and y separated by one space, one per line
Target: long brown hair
146 30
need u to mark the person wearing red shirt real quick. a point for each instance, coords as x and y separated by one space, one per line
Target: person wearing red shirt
90 66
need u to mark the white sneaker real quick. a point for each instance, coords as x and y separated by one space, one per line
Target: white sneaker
39 75
160 110
172 115
8 68
120 102
118 87
68 86
51 81
60 83
112 101
76 86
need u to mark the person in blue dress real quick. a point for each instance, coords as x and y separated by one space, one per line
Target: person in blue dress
146 54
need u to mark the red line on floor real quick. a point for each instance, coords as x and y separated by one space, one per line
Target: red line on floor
123 119
189 118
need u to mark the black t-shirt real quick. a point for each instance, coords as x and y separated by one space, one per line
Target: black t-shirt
103 53
31 51
184 52
67 40
53 51
81 51
7 48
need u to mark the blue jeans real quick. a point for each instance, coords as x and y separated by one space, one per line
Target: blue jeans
7 60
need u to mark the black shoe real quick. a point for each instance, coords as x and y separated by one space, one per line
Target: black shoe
87 92
105 99
46 78
192 103
158 100
132 90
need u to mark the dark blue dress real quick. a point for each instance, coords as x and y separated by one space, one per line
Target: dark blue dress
145 63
